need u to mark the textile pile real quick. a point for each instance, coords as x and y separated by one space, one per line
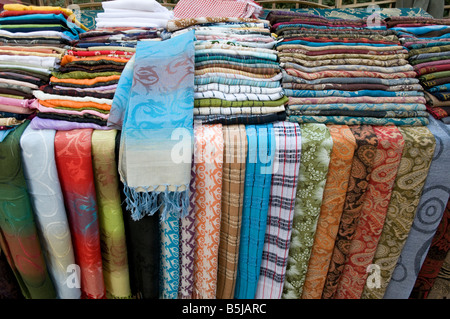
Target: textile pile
428 44
237 75
32 43
361 76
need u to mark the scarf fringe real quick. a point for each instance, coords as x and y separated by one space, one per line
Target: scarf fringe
143 204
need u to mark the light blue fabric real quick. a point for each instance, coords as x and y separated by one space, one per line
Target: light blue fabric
156 110
258 179
169 256
439 88
350 120
361 107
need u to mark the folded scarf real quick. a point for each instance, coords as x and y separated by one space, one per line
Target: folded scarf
426 221
18 232
247 119
215 8
208 162
281 210
38 157
150 127
233 183
315 159
373 213
78 187
62 125
258 179
366 145
111 224
344 120
334 194
406 193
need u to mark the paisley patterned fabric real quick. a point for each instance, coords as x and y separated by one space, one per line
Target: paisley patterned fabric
110 216
233 183
429 213
208 162
373 212
414 165
74 163
316 150
341 158
366 144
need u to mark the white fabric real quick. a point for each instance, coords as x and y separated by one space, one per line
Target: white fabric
46 96
238 110
237 96
141 5
236 88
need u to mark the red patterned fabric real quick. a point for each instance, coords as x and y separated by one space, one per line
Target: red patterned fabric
378 194
74 163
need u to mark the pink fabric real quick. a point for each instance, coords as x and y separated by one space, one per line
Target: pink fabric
213 8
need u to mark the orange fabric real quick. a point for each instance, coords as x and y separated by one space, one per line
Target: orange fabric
70 58
74 104
55 80
344 145
208 181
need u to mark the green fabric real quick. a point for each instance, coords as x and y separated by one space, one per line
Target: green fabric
414 165
316 151
225 103
18 230
82 75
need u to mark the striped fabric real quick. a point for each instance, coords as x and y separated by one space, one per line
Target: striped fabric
233 179
281 210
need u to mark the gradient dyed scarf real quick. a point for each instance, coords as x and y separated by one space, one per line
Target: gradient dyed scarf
73 154
111 224
157 108
18 233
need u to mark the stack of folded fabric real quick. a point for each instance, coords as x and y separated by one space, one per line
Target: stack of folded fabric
428 41
32 44
338 71
237 75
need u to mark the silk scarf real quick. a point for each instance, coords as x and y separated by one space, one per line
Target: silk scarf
19 236
73 154
334 194
163 74
258 178
419 149
110 217
315 159
281 210
233 184
38 157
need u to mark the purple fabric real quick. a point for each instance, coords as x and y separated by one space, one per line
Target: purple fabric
111 87
187 245
59 125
